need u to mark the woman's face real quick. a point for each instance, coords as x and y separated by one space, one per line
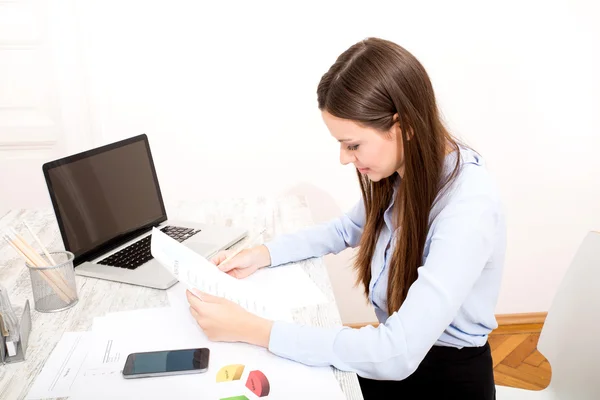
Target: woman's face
374 153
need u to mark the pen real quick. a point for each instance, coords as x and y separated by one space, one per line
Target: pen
235 253
248 244
3 329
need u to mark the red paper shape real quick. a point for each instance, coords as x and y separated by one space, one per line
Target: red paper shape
258 383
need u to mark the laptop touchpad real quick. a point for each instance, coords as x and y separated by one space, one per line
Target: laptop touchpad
204 249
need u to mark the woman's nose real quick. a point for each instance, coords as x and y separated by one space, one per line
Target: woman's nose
346 157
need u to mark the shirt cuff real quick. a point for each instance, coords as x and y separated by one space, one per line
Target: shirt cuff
306 344
276 252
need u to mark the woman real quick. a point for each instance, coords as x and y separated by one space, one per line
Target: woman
430 234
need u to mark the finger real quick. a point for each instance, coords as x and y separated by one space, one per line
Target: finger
233 272
228 265
241 273
220 257
244 273
208 298
216 259
193 299
196 316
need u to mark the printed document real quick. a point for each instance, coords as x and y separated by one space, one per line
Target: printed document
195 271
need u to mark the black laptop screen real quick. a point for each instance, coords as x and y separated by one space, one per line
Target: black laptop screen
104 194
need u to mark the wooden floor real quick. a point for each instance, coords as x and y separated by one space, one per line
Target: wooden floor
517 363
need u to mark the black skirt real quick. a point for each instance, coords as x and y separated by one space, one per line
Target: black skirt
445 373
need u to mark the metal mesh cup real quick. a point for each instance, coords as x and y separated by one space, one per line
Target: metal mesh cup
53 286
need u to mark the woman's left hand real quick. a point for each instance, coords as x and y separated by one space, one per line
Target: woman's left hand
225 321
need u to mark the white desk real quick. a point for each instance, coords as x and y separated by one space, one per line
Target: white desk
98 297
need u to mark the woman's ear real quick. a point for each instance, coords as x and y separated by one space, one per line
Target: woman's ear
396 130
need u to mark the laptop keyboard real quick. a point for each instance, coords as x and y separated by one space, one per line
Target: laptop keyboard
138 253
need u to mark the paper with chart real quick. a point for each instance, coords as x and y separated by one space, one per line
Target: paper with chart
195 271
62 367
78 357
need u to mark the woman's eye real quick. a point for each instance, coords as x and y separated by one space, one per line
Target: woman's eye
354 147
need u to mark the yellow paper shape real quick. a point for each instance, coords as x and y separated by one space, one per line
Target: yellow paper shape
231 372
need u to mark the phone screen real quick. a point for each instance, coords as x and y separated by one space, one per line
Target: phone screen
167 362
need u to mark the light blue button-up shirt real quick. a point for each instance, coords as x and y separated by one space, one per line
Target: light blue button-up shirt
451 303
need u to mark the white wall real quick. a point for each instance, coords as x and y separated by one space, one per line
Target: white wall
43 110
227 94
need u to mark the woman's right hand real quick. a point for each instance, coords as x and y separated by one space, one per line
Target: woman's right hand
245 263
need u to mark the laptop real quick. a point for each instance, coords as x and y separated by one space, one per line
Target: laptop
107 200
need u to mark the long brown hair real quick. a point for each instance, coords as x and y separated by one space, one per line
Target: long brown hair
370 83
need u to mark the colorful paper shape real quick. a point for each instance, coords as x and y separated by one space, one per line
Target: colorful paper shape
258 383
242 397
231 372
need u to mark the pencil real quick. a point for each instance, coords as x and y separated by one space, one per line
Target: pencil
58 290
19 252
27 249
53 278
249 243
40 260
39 243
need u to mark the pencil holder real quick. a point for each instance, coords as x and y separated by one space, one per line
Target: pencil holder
53 286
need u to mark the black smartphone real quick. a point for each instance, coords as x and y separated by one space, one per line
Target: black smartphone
165 363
